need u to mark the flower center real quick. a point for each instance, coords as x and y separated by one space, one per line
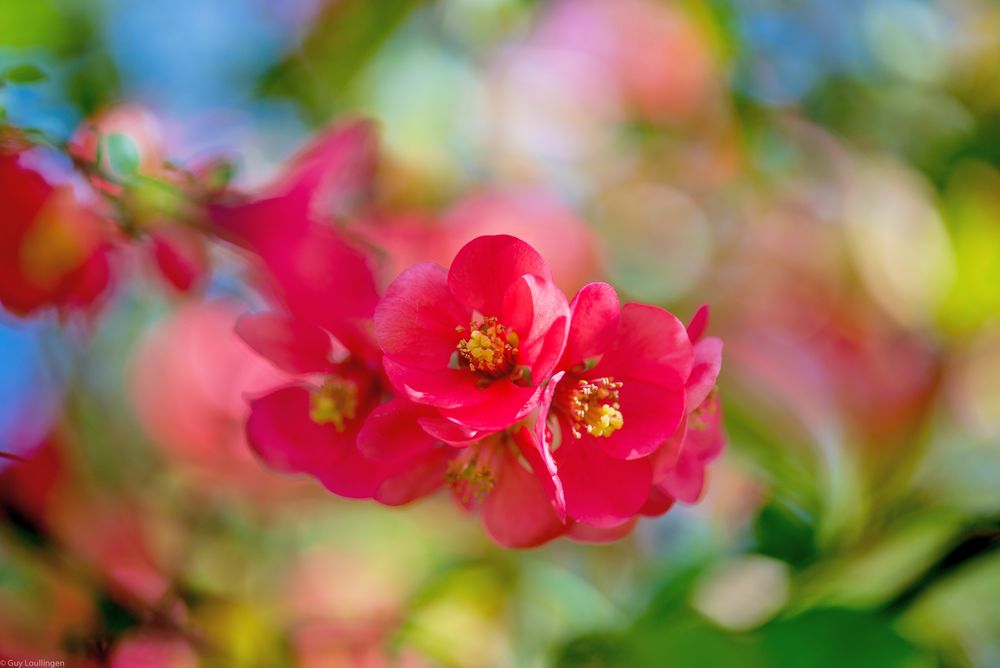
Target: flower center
334 402
471 473
593 407
489 349
700 418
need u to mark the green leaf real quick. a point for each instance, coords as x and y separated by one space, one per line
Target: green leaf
25 74
785 532
123 156
832 638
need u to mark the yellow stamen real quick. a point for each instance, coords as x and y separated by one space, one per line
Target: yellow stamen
700 418
593 407
489 348
471 475
334 402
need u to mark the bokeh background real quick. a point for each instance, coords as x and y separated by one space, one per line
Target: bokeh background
826 175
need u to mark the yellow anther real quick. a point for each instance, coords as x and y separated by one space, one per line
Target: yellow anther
471 474
593 407
607 421
334 402
489 348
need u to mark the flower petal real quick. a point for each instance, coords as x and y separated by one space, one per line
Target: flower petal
422 476
181 255
651 346
544 407
500 405
324 279
539 457
665 457
705 437
517 512
281 432
659 502
290 344
484 268
449 431
337 169
587 533
320 276
265 225
537 311
600 489
444 388
415 321
699 323
651 414
686 480
594 323
391 432
705 372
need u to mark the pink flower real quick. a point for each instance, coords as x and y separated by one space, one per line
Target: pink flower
520 506
700 437
619 396
312 423
188 378
309 269
53 249
477 340
326 179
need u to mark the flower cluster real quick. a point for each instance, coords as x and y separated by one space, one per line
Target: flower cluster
550 417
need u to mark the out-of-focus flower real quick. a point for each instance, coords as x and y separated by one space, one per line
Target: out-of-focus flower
53 248
189 376
659 60
538 218
703 436
181 254
619 396
859 376
326 295
476 340
156 197
154 649
307 267
108 542
312 425
136 123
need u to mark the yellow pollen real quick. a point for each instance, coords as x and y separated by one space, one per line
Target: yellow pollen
700 417
489 348
593 407
471 475
334 402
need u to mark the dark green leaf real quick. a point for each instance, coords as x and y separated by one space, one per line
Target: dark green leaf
785 533
833 638
24 74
